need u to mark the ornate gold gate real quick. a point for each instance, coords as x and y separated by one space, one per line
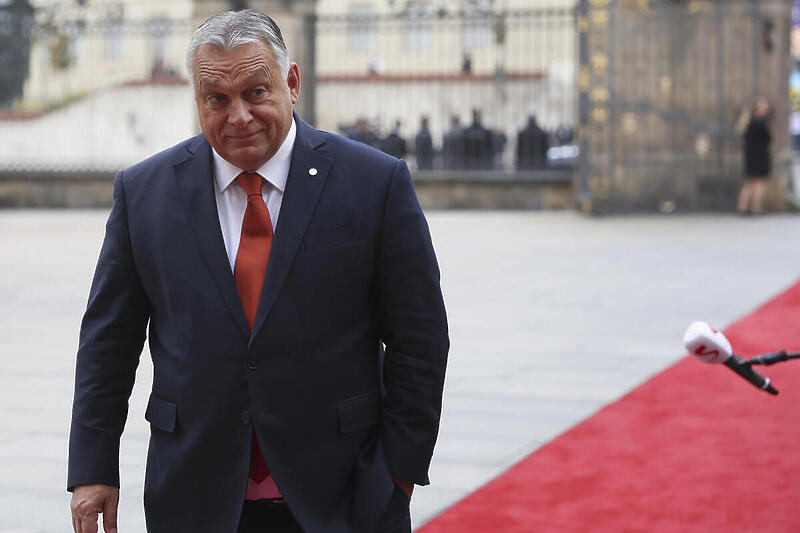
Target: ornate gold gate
662 85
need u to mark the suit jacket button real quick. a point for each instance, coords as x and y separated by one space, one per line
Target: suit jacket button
251 363
245 417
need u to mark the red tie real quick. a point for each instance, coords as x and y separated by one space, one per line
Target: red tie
249 271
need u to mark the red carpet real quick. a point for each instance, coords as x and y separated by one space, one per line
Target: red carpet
694 449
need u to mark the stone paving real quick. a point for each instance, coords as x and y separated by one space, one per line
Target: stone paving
552 316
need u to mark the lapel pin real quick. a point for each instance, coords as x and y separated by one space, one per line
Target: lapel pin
312 171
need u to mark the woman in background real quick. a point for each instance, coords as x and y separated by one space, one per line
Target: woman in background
757 162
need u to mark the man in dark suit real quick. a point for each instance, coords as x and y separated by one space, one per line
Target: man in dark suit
296 323
423 145
453 145
394 144
532 146
477 143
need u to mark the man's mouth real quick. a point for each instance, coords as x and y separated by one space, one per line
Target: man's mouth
244 138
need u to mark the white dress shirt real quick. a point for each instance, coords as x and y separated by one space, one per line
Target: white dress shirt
232 200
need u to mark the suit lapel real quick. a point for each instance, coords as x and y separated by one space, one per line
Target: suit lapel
303 189
195 184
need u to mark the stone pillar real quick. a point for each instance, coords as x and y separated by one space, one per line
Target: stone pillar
297 22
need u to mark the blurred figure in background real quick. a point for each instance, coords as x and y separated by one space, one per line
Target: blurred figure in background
757 161
532 146
364 133
499 141
466 64
423 145
394 144
453 145
477 143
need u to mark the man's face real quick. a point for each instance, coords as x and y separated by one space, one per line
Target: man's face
244 102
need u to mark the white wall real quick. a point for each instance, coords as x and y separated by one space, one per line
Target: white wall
108 130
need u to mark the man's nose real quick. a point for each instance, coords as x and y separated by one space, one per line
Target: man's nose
239 115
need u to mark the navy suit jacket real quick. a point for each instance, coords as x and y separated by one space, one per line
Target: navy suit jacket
341 377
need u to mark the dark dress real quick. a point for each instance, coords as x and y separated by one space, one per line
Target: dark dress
756 149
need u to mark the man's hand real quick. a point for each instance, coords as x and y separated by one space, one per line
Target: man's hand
90 500
407 486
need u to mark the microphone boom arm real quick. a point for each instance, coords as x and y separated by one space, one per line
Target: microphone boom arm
769 358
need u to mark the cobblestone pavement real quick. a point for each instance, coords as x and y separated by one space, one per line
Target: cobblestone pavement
552 316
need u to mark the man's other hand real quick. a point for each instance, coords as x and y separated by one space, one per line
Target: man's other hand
407 486
90 500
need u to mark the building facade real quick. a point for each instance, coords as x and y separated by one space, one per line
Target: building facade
83 46
378 61
384 61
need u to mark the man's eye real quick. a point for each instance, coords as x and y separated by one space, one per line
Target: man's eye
259 93
216 99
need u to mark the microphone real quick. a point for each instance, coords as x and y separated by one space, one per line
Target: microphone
711 346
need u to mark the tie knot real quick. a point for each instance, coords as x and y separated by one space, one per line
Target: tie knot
250 182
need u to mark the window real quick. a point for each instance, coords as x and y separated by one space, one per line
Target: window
76 35
114 30
419 27
360 29
159 30
113 38
476 27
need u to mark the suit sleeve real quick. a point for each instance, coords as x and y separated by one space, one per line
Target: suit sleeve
111 339
413 326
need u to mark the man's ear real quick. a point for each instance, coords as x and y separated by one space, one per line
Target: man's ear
293 81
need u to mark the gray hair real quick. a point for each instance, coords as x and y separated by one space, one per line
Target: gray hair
236 28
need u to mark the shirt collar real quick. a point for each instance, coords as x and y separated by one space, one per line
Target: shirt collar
275 170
